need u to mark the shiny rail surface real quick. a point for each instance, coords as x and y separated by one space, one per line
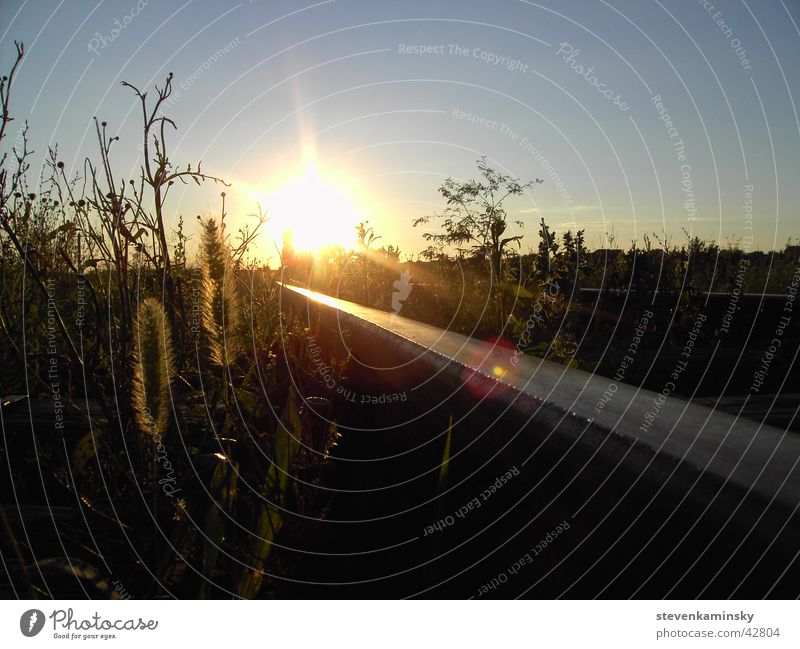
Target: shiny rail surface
699 503
735 449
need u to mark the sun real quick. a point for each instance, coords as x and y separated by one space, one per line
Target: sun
314 209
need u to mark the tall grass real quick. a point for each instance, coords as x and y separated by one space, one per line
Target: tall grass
154 367
221 304
100 244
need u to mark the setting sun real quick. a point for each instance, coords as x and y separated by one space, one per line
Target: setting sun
315 209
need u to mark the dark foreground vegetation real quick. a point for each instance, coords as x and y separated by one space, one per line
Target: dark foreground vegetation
157 445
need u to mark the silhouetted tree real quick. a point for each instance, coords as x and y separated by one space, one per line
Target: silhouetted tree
475 221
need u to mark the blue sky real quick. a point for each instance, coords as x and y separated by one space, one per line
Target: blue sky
345 83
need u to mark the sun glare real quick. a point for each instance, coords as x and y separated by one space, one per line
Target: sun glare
314 209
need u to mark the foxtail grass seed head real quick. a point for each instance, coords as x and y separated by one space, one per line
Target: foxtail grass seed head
154 368
221 307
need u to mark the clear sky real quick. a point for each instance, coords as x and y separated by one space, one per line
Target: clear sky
335 111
